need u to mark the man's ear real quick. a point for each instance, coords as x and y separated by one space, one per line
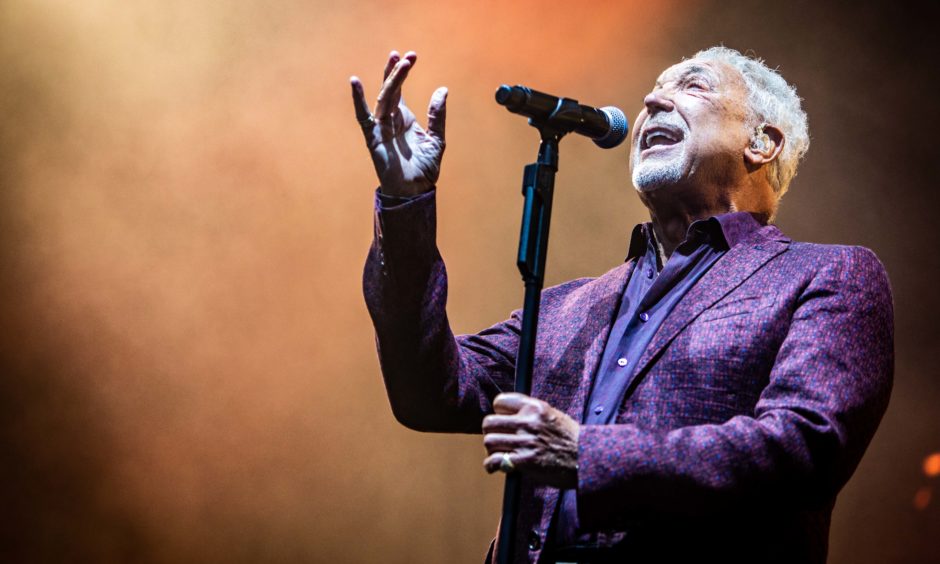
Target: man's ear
765 145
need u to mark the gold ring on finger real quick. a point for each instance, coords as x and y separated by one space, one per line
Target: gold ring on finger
505 464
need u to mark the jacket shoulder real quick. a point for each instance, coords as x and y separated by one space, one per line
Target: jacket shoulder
588 284
847 265
848 256
575 289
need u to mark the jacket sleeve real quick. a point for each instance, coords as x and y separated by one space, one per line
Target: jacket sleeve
435 381
827 392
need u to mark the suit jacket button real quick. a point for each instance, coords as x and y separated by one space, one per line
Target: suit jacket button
535 542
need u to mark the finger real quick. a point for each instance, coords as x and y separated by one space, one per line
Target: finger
359 99
393 59
437 113
511 402
506 424
412 57
391 90
500 442
493 462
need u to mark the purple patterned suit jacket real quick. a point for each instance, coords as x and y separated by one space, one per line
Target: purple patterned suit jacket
747 413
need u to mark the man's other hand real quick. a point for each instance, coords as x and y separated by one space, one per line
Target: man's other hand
407 158
539 440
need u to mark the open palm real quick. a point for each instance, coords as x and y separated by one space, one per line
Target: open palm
407 158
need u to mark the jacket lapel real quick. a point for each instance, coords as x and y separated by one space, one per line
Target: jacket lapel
731 270
597 309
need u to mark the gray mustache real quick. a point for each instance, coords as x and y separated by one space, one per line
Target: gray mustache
670 122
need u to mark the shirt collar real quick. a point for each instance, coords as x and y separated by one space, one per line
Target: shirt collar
727 230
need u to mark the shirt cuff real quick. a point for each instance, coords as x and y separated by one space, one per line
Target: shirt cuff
387 202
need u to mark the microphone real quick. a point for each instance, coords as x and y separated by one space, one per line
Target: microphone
607 126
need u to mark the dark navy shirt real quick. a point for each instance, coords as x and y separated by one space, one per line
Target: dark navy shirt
651 293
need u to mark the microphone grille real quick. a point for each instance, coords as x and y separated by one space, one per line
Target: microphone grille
618 128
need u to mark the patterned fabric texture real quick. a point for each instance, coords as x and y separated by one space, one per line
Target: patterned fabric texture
745 416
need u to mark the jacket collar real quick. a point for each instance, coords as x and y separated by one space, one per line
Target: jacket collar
726 230
594 310
731 270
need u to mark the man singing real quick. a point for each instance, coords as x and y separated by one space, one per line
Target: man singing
704 401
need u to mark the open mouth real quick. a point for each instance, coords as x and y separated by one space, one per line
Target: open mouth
659 136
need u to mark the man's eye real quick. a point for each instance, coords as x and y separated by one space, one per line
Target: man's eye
698 86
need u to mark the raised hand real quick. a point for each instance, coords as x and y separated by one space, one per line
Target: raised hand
407 158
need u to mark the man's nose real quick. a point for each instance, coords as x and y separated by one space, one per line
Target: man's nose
658 101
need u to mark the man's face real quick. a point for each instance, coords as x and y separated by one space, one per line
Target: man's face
693 126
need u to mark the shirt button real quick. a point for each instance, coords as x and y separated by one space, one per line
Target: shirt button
535 542
621 362
598 410
649 272
644 316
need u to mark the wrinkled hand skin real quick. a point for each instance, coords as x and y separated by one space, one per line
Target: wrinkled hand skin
542 441
407 158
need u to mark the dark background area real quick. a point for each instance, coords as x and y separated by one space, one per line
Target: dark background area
186 366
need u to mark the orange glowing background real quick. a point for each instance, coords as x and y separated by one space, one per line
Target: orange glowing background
188 371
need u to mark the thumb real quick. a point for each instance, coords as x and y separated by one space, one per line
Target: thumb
437 113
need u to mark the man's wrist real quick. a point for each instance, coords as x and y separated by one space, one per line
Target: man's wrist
388 201
411 192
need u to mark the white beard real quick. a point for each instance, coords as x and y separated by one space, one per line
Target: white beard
657 171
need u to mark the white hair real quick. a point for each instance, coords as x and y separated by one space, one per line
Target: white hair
773 101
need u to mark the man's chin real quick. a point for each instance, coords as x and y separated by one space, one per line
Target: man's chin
654 174
647 188
646 183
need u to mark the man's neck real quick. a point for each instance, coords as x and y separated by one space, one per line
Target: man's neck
673 209
672 213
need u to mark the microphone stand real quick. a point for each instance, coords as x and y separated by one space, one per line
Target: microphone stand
538 184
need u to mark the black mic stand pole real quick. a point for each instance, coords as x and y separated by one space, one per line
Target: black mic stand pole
538 183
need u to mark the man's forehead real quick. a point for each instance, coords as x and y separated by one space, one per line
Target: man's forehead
708 68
